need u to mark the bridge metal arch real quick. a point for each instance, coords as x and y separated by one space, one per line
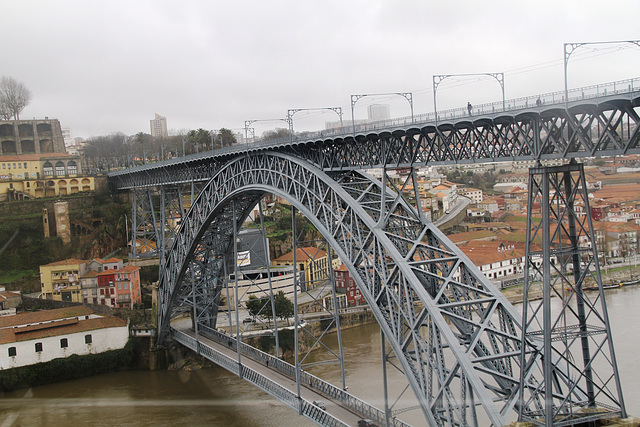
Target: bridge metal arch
380 240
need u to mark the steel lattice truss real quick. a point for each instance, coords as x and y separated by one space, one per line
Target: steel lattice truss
456 337
144 229
575 335
603 126
588 130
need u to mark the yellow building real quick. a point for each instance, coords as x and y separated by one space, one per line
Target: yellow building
311 260
60 280
42 175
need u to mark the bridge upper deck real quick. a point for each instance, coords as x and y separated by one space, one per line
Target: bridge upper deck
597 120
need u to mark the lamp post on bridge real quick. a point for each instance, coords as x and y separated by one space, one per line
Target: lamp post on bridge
569 48
291 112
438 78
355 98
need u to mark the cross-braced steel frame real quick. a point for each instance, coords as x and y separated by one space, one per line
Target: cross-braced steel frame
572 331
145 236
455 336
458 341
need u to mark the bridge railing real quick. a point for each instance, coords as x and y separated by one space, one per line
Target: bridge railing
310 380
541 101
304 407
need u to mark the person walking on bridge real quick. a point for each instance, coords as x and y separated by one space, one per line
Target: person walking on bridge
469 107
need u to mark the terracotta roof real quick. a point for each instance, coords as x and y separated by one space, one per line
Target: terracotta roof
303 254
9 294
471 235
59 328
69 261
28 317
107 272
112 260
129 268
90 275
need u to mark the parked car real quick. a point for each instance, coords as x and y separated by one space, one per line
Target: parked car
320 404
248 320
365 422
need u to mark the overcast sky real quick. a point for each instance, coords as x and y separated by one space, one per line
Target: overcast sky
108 66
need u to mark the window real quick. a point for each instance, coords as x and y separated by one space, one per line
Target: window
12 351
72 168
87 339
120 298
59 168
64 343
25 165
125 285
38 347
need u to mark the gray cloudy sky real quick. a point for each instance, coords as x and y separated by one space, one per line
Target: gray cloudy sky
108 66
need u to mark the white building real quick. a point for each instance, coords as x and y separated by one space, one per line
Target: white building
472 193
40 336
379 112
159 127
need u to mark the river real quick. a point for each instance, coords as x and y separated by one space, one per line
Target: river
215 397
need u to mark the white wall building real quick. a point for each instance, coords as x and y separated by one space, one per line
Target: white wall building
33 337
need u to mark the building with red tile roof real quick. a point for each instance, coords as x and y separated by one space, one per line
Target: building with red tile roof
35 337
313 261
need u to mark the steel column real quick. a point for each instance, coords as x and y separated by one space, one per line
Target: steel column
570 333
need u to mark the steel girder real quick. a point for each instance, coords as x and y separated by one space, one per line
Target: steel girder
561 261
144 230
456 337
583 131
589 128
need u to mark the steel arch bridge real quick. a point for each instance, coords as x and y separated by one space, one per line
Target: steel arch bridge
459 342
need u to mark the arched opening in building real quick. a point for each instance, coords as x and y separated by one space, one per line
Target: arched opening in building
74 186
60 169
28 146
46 146
44 129
9 147
6 130
47 169
25 130
72 167
62 187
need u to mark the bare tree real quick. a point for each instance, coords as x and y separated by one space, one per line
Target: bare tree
14 96
5 114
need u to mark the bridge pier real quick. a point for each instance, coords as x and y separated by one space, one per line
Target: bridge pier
571 333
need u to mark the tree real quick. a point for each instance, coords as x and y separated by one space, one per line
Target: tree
261 306
276 134
226 138
284 306
255 305
14 96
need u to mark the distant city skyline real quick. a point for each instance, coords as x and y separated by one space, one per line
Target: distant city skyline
217 64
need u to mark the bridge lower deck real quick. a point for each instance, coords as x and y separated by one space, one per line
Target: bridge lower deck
265 371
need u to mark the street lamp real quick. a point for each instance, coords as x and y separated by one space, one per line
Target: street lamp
438 78
290 113
355 98
569 48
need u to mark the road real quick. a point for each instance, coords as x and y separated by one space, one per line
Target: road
310 395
